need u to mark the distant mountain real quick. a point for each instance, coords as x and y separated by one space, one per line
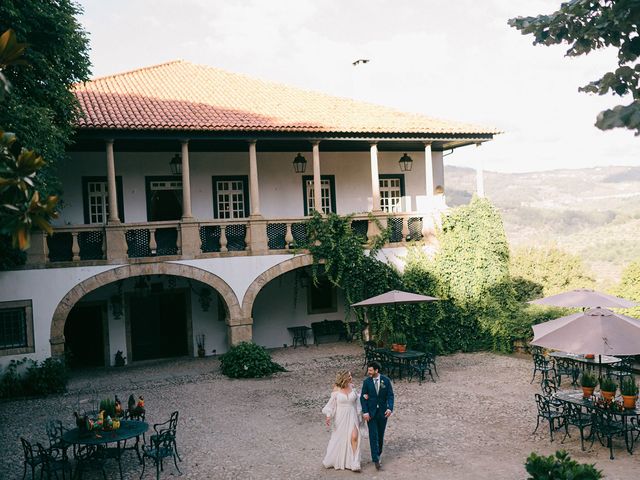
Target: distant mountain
592 212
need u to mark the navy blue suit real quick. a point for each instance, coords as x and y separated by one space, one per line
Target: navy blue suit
375 405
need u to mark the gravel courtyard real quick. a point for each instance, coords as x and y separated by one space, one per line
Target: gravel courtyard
474 422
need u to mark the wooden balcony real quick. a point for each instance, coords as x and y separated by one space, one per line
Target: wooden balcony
175 240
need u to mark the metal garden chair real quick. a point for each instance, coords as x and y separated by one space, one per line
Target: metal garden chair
576 416
170 426
53 461
160 446
31 458
567 368
606 425
551 413
420 367
542 365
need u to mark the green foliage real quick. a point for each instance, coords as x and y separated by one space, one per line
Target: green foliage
559 467
587 25
20 206
338 253
28 377
588 380
628 386
41 108
608 384
248 360
109 407
399 338
540 272
629 287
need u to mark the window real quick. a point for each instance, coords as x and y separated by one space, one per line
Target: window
95 194
322 298
328 194
230 197
16 327
391 193
164 198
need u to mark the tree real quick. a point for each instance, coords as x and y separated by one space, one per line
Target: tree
629 286
587 25
539 272
41 109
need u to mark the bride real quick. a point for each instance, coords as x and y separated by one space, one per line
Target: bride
343 451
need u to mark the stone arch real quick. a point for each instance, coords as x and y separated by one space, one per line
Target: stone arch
120 273
267 276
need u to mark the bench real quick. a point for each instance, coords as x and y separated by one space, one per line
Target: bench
337 329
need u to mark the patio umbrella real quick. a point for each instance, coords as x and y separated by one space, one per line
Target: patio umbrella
597 330
585 298
393 297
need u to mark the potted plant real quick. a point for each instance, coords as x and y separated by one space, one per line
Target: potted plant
588 383
629 391
399 343
608 388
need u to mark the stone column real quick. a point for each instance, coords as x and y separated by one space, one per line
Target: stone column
111 184
240 330
428 169
375 179
186 182
254 190
317 181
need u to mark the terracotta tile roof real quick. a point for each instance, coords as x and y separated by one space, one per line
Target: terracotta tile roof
182 96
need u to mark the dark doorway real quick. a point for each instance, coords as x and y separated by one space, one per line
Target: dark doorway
158 325
84 335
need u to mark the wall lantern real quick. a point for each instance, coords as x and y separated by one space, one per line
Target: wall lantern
299 164
176 164
204 296
406 163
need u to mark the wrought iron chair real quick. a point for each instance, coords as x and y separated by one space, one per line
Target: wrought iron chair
421 366
370 353
90 457
553 414
549 389
622 369
171 426
53 461
160 446
567 368
607 424
55 432
578 418
31 459
542 365
390 366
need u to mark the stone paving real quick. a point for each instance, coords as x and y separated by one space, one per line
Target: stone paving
474 422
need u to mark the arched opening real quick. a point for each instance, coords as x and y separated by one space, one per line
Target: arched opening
145 313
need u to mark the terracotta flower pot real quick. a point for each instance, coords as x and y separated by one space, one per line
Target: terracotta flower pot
394 347
587 391
608 396
401 348
629 401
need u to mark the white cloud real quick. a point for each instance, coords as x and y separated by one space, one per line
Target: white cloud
455 59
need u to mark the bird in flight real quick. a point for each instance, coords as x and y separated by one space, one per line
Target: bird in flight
361 60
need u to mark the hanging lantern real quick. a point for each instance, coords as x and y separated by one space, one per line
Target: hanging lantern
299 164
406 163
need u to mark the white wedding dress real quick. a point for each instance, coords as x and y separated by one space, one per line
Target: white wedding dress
345 412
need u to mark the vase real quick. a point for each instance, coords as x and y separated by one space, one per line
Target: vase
587 391
608 396
629 401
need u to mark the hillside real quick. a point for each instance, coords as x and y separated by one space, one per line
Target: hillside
592 212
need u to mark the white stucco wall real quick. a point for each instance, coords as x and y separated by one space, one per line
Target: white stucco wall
280 187
279 305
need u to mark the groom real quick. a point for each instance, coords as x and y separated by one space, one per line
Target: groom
377 405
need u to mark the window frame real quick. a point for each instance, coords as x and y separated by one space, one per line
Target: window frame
28 318
148 191
245 190
334 299
393 176
332 192
85 198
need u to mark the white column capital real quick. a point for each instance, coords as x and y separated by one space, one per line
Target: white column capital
252 141
184 141
315 143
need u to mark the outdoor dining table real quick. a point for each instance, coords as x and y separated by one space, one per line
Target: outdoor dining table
577 398
599 360
100 438
405 357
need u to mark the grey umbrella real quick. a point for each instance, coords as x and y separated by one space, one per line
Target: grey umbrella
597 330
584 298
393 297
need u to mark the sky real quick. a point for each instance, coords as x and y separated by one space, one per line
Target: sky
450 59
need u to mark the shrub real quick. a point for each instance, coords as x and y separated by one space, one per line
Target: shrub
608 384
559 467
628 386
588 380
28 377
248 360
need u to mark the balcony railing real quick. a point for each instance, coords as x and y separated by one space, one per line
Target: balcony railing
201 239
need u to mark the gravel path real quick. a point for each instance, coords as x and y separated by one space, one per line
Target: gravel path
474 422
